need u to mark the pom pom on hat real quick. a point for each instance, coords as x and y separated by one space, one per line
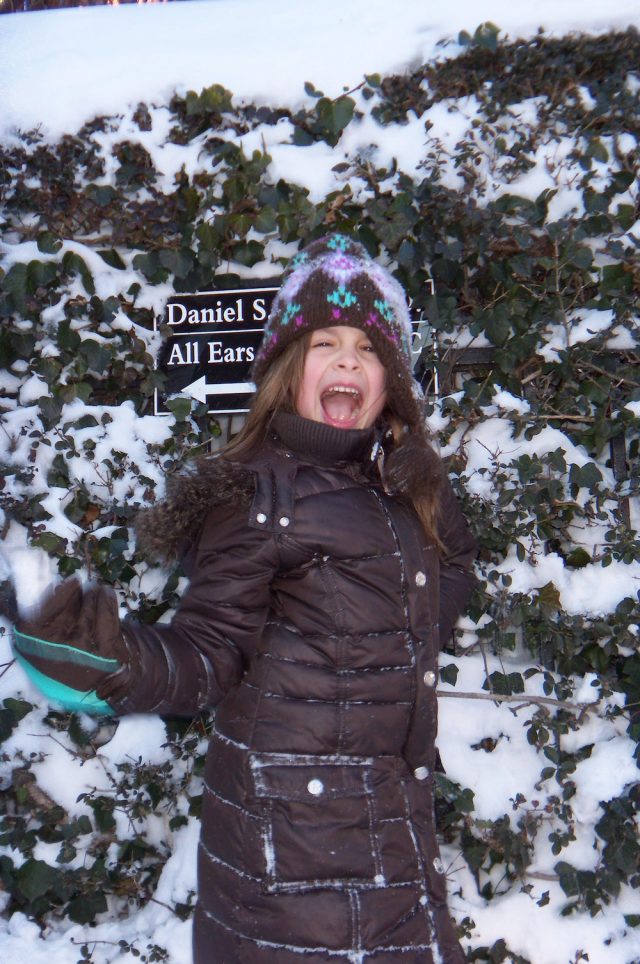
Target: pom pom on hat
335 282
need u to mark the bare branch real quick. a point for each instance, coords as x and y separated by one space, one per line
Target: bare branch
522 698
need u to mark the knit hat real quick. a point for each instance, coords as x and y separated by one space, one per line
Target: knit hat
334 282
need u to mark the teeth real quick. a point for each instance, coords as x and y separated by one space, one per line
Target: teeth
344 390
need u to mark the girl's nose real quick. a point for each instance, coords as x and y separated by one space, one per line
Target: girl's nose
348 359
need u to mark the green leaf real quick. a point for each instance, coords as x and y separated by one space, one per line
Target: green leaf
216 99
72 263
578 558
334 115
17 708
486 35
248 254
625 215
582 258
83 909
51 542
40 274
101 194
179 262
498 327
504 684
312 91
585 476
15 282
616 279
111 257
449 674
35 878
97 355
549 598
180 406
48 243
50 408
67 337
301 137
103 811
265 221
150 266
598 151
11 714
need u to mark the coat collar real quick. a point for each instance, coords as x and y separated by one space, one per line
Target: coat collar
322 444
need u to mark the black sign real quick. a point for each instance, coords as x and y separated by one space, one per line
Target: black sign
211 340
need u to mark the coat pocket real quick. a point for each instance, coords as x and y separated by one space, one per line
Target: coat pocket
319 822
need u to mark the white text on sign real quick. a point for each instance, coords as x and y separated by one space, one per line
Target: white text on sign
178 314
188 353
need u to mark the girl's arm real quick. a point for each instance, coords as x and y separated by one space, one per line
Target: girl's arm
77 651
456 576
192 662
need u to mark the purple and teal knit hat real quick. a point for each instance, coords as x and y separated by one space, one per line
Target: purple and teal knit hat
334 282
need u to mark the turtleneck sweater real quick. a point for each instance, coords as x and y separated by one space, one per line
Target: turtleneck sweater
323 444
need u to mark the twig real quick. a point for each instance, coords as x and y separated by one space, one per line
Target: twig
609 375
561 417
347 92
521 698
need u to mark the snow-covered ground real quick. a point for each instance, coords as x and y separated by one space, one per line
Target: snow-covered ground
59 69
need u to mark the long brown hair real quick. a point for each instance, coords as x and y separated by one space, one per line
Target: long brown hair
277 393
411 467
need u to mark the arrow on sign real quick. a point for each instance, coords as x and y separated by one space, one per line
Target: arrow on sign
201 388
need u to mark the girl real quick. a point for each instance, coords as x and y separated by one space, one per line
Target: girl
328 561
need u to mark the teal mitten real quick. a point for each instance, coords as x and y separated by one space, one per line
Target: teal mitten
71 644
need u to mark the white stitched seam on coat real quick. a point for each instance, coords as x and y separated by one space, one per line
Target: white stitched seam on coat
223 863
229 803
296 949
216 734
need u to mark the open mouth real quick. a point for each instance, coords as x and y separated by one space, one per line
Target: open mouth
341 405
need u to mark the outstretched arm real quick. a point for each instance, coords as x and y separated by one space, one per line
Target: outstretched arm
79 653
192 662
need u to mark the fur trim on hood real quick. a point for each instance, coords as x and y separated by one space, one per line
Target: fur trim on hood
167 530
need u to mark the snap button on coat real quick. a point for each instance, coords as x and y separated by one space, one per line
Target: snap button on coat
421 773
429 678
421 579
315 787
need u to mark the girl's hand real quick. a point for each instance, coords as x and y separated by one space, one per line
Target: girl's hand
71 643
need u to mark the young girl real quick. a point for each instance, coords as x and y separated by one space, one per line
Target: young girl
328 561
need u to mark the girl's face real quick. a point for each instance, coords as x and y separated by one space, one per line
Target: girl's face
343 382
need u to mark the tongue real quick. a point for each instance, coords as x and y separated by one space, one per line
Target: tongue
339 406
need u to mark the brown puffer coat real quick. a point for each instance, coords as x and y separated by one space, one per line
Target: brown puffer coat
313 621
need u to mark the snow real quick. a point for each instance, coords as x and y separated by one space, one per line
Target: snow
253 49
59 69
